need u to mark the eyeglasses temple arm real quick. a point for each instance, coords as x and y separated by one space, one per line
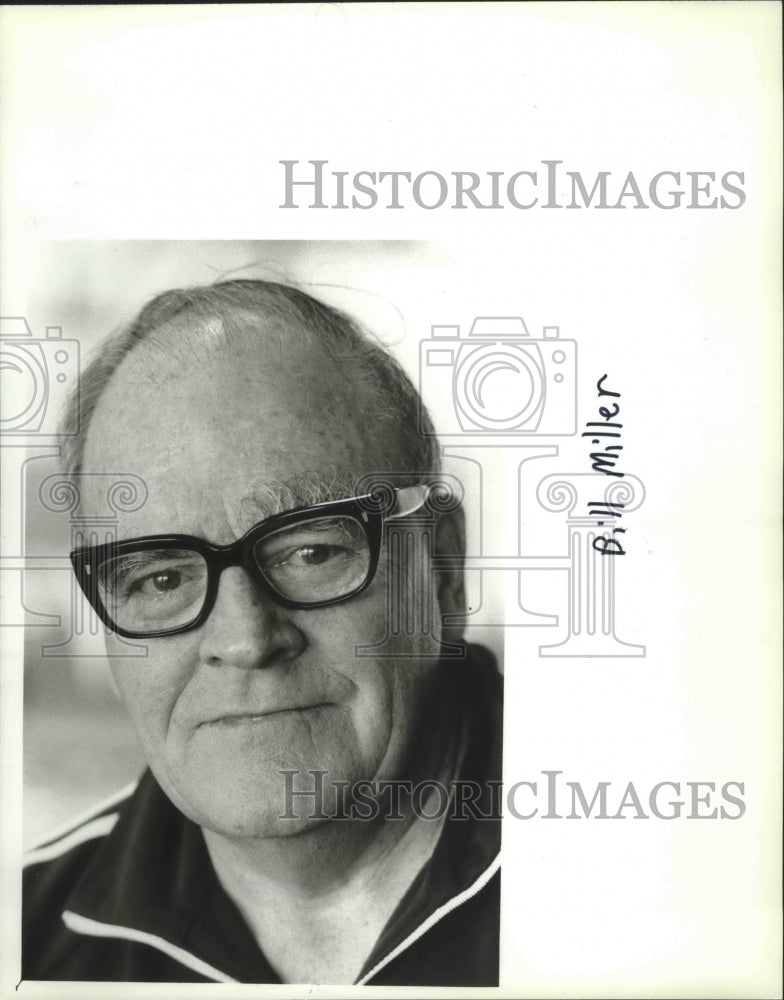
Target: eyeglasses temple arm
409 499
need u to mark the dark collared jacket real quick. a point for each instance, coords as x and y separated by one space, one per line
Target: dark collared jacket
129 893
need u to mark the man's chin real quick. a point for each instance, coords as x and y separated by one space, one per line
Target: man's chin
294 803
262 827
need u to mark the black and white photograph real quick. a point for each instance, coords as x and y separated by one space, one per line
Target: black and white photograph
390 439
322 802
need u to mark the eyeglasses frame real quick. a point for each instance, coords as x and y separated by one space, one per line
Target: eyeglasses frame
370 510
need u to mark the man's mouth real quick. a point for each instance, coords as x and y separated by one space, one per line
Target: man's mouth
247 718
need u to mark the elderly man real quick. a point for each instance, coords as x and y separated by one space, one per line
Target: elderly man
261 576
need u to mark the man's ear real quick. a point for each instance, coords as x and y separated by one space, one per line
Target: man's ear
449 545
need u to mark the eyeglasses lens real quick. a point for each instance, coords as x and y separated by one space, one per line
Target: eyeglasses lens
314 561
153 590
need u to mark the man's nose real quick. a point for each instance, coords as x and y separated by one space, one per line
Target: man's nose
245 628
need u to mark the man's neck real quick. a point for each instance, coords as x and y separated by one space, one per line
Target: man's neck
317 902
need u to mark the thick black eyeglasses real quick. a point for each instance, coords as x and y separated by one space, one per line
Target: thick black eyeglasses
310 557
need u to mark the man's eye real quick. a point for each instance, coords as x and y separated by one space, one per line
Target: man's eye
159 583
311 555
141 577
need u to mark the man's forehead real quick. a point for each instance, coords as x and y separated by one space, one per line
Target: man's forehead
226 375
261 415
247 341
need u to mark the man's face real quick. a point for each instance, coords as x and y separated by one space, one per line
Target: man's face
257 689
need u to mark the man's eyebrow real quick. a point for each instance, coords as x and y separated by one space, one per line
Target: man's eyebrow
275 496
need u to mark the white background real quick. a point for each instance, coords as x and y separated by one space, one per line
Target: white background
168 123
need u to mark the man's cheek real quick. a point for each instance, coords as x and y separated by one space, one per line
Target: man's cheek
342 630
147 693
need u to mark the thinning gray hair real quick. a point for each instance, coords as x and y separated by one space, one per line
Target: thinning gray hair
395 398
